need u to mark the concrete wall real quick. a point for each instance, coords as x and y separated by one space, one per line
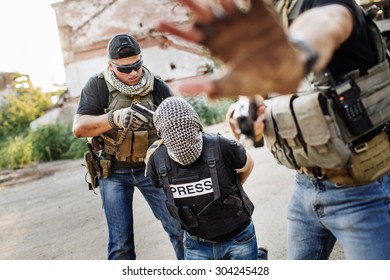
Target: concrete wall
85 27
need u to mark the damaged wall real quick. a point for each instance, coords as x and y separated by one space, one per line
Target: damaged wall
85 28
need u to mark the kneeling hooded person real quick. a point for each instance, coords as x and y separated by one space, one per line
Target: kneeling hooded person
202 176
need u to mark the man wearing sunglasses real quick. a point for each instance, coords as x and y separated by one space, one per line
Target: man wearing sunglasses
120 138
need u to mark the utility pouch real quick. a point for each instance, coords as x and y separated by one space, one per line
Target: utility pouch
302 131
375 93
106 167
97 143
134 146
140 146
124 149
218 209
320 134
175 213
93 171
281 152
371 159
287 129
234 202
189 217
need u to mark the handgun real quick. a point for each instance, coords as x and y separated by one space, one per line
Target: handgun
245 112
93 155
143 111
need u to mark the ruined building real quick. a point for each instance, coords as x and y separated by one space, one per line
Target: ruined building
85 27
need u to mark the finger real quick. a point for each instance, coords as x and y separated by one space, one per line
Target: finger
202 12
260 116
126 119
229 6
140 118
191 34
258 128
134 123
261 112
257 137
259 123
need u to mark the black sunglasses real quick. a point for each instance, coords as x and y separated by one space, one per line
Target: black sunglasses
128 68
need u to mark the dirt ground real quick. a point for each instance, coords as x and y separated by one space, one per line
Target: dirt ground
49 213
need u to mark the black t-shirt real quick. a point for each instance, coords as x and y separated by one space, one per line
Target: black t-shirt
94 96
233 153
356 52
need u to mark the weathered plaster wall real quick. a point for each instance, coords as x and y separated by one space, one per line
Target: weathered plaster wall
86 26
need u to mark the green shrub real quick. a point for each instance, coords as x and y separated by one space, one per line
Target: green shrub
47 143
76 149
16 152
210 112
20 108
51 142
56 141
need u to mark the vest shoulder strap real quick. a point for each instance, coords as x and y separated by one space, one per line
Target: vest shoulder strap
163 171
160 156
377 41
102 87
213 155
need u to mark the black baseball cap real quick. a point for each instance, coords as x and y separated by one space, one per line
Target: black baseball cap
122 45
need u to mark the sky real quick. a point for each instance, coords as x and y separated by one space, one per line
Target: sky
30 42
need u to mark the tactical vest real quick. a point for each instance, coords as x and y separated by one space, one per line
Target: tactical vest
200 196
319 131
126 148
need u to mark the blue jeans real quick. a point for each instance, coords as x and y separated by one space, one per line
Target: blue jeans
242 247
319 213
117 195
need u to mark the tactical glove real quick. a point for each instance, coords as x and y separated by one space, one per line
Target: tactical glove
127 117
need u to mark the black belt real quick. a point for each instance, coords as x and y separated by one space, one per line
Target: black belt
200 239
121 164
225 237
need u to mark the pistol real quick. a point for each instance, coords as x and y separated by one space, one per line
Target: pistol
245 112
143 111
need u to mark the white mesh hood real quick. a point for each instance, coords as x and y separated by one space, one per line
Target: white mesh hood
180 127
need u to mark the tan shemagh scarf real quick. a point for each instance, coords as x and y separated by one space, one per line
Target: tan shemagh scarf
144 86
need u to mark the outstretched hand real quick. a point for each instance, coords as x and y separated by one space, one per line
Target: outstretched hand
252 43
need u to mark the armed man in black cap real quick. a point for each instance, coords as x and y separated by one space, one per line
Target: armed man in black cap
120 138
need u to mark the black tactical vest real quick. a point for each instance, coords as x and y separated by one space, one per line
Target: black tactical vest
200 196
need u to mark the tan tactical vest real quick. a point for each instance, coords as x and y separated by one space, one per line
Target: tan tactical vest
305 132
127 148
